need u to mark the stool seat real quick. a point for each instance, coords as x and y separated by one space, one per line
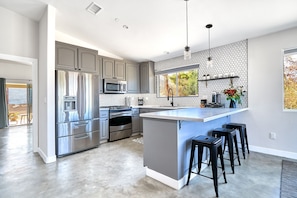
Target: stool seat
215 147
242 133
230 136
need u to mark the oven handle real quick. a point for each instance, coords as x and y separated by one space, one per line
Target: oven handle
120 114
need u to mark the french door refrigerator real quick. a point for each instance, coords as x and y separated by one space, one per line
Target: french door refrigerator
77 112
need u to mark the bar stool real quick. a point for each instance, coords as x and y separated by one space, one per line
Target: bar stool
215 147
229 134
243 135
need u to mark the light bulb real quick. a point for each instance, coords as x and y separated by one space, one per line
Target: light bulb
187 53
209 62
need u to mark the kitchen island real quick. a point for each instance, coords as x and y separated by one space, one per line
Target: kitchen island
167 139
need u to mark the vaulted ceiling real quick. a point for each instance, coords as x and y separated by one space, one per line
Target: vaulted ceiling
142 30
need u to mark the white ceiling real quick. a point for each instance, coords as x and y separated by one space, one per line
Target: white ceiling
158 26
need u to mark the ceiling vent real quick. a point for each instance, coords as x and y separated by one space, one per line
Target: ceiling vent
93 8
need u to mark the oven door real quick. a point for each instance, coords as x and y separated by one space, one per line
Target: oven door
120 123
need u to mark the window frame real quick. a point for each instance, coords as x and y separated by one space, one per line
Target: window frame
176 70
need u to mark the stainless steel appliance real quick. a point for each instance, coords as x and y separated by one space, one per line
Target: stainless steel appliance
114 86
216 98
120 122
77 112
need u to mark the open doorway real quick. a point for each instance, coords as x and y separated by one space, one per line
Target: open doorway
19 103
33 63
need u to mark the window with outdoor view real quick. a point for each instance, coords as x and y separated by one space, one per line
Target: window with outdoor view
183 82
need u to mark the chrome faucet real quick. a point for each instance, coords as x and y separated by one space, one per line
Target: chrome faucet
171 96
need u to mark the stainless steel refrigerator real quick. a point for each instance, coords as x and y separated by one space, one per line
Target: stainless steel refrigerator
77 112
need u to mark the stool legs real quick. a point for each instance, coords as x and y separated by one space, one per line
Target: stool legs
246 139
215 147
243 135
191 162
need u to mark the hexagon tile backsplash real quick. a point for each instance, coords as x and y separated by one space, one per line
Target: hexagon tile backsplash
227 59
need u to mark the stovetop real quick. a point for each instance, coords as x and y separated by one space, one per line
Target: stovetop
118 107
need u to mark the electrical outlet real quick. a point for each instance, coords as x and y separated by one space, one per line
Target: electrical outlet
272 135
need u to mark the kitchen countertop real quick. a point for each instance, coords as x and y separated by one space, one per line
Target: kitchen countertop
161 107
194 114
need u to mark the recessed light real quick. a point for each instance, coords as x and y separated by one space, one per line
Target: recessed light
125 27
166 52
116 19
93 8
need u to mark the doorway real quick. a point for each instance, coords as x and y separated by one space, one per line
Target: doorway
19 103
34 64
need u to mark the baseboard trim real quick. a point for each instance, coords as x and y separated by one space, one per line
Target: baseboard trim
275 152
175 184
45 158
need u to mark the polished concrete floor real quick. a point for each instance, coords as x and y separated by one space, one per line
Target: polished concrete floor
116 170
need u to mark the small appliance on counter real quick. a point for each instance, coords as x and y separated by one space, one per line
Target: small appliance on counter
140 101
216 98
215 101
203 103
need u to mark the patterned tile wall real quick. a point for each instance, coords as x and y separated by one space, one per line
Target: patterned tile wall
231 58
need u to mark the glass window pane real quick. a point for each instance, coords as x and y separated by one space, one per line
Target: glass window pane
188 83
167 81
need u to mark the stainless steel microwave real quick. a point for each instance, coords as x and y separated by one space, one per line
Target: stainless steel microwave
114 86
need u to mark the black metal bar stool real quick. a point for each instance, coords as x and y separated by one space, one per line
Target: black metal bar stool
215 147
243 135
230 136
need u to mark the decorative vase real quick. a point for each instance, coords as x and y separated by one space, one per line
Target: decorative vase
232 104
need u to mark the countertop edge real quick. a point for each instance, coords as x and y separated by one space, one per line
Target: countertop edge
154 115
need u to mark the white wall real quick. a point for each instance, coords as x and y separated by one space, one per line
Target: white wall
47 85
265 113
18 35
15 71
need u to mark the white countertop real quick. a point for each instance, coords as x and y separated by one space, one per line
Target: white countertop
193 114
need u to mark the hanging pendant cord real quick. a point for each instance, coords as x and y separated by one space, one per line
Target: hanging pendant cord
187 20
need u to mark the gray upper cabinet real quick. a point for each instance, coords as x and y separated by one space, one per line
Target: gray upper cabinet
71 57
87 60
132 77
99 58
113 69
147 77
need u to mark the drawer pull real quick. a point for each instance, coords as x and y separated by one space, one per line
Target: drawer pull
81 137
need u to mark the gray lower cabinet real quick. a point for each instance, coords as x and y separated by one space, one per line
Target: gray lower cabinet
75 58
104 125
135 120
132 77
147 77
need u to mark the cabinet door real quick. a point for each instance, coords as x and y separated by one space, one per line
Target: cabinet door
107 68
135 124
132 77
147 77
66 56
104 129
87 60
99 58
119 70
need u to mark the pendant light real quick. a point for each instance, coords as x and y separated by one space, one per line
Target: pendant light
209 59
187 52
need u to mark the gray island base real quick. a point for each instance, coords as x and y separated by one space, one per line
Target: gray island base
167 140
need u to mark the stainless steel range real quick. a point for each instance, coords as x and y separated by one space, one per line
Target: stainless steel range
120 122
